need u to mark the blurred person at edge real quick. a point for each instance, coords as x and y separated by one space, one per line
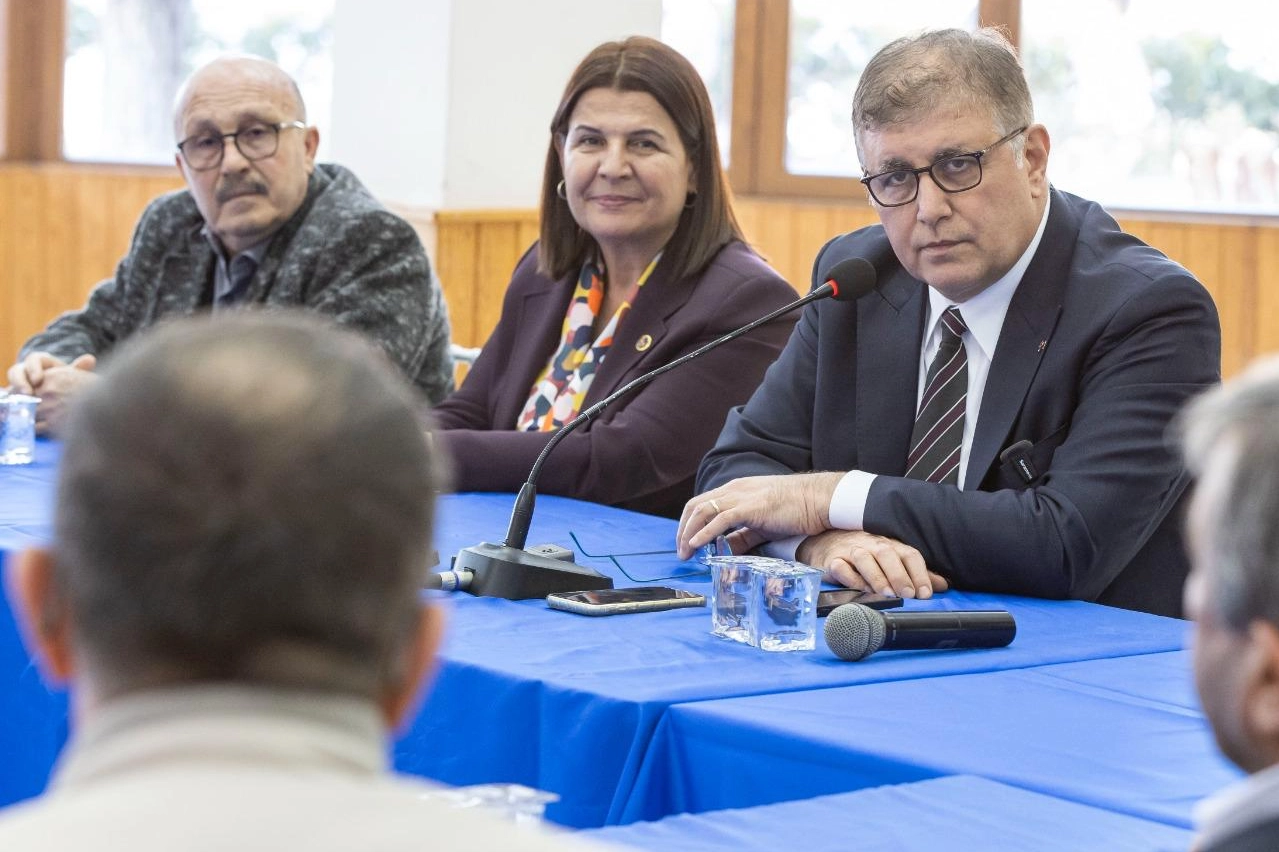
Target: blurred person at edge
1231 441
640 260
261 223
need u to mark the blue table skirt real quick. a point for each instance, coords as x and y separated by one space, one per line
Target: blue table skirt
563 702
569 703
955 814
1119 734
26 498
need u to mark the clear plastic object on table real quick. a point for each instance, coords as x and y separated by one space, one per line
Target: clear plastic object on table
515 802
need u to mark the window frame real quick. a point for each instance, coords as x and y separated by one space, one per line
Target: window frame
33 44
761 58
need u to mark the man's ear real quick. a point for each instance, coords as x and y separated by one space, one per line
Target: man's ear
311 141
402 700
1261 706
1036 153
41 612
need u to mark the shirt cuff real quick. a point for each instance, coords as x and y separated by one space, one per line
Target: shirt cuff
848 502
782 548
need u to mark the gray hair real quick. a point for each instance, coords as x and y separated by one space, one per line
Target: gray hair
1238 424
246 498
913 75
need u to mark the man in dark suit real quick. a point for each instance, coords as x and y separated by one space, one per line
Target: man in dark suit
260 223
1231 439
1028 457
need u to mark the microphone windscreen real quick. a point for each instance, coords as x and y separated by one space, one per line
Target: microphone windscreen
853 278
854 631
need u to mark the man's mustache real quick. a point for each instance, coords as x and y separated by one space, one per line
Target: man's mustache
234 188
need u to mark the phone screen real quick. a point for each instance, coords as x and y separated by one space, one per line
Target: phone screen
831 598
611 596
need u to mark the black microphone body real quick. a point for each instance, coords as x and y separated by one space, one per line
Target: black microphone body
854 632
508 570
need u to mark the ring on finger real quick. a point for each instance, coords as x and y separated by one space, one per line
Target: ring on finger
715 506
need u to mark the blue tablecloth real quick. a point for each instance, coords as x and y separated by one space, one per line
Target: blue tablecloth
955 814
26 498
568 703
1121 734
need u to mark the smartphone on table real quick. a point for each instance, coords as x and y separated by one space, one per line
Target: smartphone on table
619 601
831 598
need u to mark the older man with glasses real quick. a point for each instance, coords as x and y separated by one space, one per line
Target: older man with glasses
992 416
260 223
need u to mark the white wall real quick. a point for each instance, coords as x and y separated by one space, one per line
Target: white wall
446 103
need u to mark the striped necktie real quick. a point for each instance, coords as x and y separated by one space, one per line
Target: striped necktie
939 426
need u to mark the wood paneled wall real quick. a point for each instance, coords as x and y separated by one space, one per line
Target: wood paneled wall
1238 261
64 227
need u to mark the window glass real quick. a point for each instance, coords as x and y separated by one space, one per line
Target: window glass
1163 104
118 96
830 43
702 30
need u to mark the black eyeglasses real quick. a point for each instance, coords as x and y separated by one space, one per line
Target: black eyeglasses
255 141
959 173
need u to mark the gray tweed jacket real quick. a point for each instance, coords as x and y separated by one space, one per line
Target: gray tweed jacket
342 255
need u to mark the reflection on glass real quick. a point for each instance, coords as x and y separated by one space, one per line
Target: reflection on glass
830 43
702 30
1158 103
118 98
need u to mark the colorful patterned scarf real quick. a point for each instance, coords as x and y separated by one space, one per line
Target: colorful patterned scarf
557 395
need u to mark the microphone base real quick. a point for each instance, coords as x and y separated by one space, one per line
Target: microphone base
516 575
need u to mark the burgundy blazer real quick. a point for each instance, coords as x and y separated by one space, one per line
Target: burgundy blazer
641 452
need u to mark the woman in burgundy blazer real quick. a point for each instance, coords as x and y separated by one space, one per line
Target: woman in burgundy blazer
632 188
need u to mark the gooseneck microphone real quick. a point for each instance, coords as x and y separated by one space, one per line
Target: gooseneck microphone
854 631
509 571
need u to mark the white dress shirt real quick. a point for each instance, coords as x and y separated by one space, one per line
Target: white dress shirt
984 316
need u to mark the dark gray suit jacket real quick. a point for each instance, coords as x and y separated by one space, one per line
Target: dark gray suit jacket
1104 340
342 254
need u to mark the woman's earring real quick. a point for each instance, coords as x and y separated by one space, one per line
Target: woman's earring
559 190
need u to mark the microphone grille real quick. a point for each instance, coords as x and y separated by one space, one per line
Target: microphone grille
854 277
854 632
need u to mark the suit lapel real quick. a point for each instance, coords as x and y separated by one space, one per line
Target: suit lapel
1028 327
890 324
537 335
641 330
185 284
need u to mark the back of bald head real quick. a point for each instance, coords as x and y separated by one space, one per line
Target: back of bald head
246 498
232 71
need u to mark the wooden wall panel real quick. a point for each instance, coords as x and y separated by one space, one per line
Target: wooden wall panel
1267 293
476 252
64 227
1238 263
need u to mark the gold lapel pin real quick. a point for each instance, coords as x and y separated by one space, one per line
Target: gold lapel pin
645 341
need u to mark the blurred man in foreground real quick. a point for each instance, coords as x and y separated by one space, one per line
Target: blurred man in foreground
260 223
1231 439
233 596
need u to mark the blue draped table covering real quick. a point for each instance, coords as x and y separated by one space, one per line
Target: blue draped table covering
587 707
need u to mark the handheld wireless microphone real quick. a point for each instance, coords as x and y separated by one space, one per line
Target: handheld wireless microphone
854 632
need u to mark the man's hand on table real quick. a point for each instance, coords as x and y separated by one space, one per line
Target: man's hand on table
768 507
53 380
875 563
